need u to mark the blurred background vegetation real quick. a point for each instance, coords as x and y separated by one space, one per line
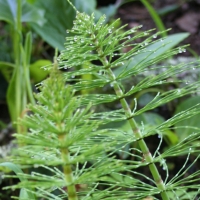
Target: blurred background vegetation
30 30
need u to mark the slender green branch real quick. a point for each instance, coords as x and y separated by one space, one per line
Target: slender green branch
65 154
146 153
71 188
72 5
18 72
26 64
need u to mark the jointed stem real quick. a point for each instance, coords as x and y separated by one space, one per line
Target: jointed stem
69 177
71 188
146 153
65 154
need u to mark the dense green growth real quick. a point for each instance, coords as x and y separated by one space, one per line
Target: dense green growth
68 138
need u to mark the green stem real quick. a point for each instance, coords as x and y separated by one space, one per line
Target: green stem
65 154
146 153
21 76
71 188
145 150
17 55
69 176
27 56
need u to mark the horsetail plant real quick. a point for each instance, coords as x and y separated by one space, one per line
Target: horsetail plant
69 140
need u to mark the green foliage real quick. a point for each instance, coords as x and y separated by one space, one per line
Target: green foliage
19 90
54 30
70 140
15 168
38 15
8 12
55 27
155 50
185 127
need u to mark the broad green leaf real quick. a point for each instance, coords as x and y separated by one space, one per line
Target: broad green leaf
191 122
109 10
59 16
156 48
85 6
88 7
8 12
37 74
